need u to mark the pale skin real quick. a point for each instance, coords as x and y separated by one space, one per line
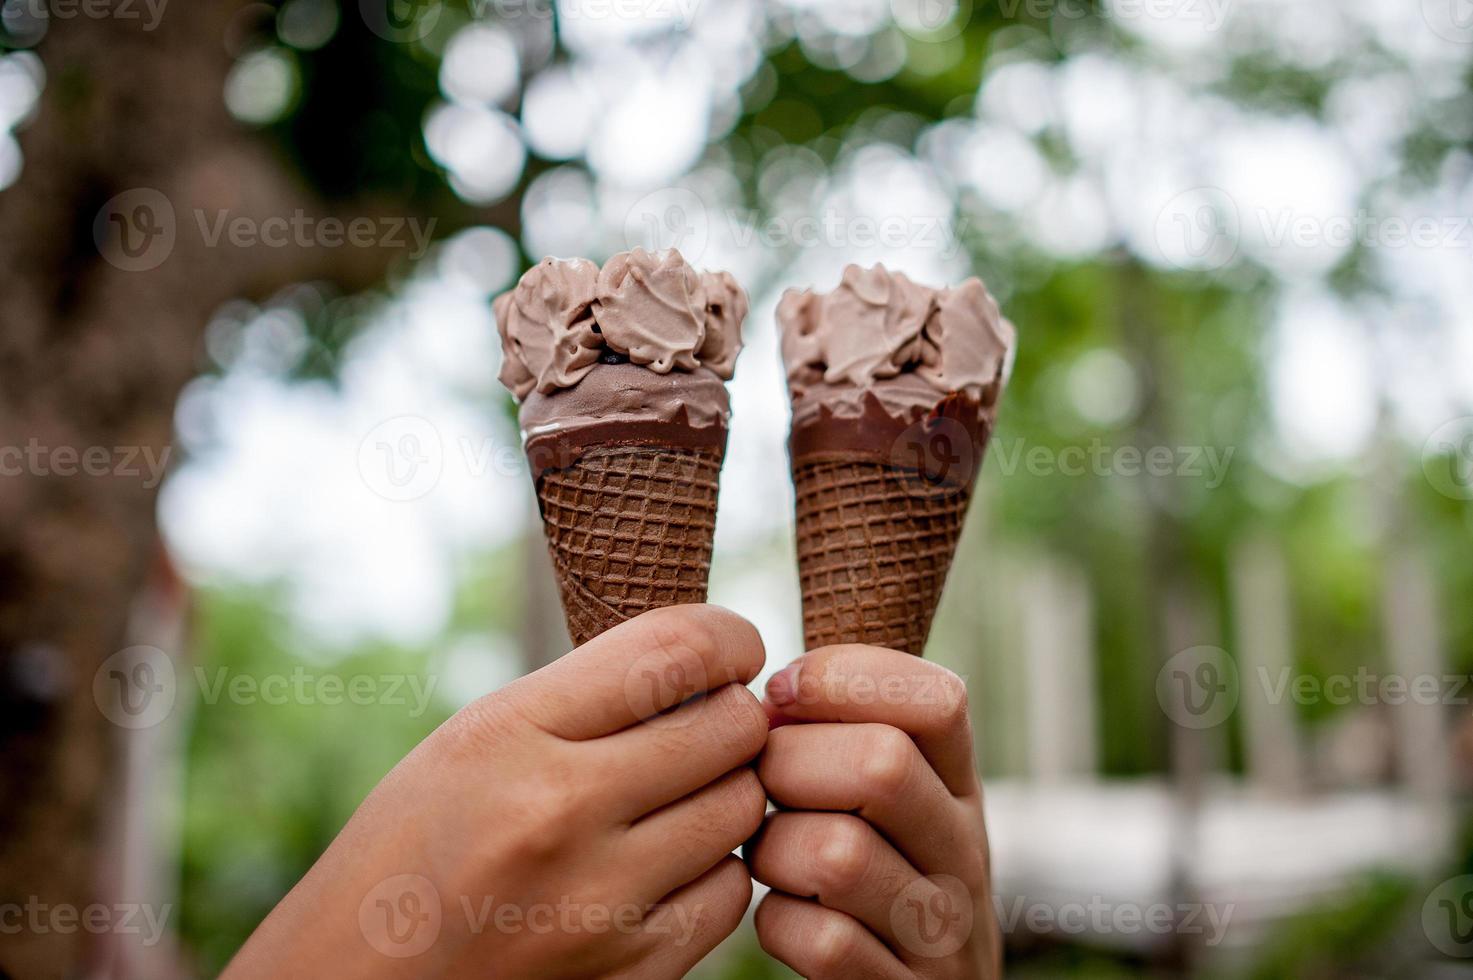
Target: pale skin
580 822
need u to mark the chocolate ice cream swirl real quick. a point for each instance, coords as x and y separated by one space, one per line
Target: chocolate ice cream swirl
645 338
880 338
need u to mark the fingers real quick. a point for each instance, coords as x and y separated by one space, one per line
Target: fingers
690 922
638 669
853 683
821 943
672 756
877 772
836 858
689 837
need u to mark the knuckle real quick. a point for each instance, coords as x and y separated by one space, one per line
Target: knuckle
742 714
843 858
535 830
887 766
680 632
831 944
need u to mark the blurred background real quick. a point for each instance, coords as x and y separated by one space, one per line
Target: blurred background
264 519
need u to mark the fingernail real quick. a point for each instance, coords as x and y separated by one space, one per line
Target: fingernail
782 687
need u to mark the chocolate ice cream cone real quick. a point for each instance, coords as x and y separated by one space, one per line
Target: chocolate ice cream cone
884 467
624 417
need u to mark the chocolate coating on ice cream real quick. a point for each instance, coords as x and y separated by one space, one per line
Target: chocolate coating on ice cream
629 393
882 342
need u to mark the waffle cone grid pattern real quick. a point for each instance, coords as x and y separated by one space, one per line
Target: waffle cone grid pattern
874 545
629 529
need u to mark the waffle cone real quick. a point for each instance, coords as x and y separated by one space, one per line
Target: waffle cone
629 527
880 507
875 543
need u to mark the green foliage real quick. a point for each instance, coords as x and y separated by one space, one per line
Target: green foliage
269 785
1325 940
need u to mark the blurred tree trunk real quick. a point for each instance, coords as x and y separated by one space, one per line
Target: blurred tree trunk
94 349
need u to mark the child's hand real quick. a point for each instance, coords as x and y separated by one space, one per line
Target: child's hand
878 860
552 828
